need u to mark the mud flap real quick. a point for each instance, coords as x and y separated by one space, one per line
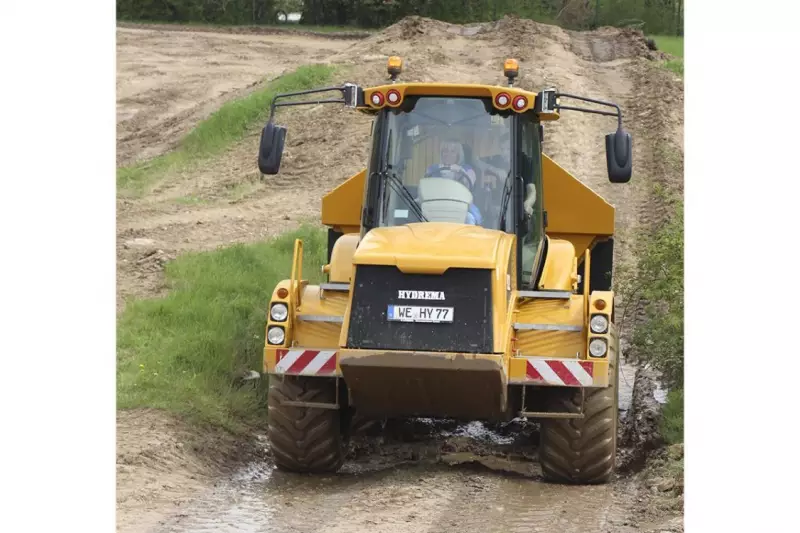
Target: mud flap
398 384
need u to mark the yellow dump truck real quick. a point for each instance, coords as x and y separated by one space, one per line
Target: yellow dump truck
468 277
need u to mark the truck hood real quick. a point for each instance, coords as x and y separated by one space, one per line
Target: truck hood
433 247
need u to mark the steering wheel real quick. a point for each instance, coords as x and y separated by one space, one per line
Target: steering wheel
460 175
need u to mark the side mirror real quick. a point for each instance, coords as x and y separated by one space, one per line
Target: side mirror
271 148
619 156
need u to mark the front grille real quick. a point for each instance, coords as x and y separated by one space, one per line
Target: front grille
467 291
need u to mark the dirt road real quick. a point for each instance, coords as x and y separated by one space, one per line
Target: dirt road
418 476
416 498
391 487
167 80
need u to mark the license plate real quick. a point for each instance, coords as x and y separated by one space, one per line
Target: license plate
418 313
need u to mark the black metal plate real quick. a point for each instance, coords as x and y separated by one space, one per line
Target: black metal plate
468 291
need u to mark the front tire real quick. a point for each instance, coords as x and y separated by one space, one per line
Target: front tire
581 451
304 439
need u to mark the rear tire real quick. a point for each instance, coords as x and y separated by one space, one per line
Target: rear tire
581 451
304 439
361 425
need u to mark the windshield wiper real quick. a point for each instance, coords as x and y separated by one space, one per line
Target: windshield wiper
507 188
399 188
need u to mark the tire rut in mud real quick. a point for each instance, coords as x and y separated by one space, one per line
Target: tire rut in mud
415 496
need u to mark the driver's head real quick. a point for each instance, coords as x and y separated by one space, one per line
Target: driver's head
451 153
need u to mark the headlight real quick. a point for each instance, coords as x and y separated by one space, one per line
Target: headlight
597 347
276 335
279 312
599 324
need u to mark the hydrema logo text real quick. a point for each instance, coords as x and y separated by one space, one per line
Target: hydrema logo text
420 295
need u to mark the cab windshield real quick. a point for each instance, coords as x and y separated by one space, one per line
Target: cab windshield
445 159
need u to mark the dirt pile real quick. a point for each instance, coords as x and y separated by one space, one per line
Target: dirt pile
415 28
519 35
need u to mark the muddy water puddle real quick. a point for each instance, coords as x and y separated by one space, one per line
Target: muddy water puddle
457 478
410 499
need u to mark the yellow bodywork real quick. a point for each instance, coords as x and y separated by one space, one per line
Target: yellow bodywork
540 337
467 385
341 208
454 90
575 212
457 246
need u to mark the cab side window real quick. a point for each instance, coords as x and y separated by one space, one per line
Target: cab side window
530 168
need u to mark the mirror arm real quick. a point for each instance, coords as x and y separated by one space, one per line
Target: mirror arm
594 111
617 114
305 102
344 89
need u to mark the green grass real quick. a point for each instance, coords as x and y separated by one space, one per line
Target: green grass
225 126
180 352
672 45
672 422
675 65
657 284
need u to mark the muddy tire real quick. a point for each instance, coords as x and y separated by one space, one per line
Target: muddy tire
304 439
361 425
581 451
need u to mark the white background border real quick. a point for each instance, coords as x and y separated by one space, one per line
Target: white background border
742 220
57 266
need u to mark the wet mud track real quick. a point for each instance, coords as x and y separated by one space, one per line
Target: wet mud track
414 498
421 475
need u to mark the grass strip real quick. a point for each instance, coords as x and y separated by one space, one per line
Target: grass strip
672 45
181 352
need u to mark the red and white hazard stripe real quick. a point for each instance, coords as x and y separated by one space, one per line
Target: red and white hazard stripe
562 372
304 362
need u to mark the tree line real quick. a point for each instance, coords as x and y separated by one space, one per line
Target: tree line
652 16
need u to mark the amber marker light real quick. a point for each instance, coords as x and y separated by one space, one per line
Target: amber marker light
283 292
394 66
511 68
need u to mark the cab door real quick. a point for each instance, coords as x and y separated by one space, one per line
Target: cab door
530 232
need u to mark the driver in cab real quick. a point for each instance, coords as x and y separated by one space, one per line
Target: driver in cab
452 166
